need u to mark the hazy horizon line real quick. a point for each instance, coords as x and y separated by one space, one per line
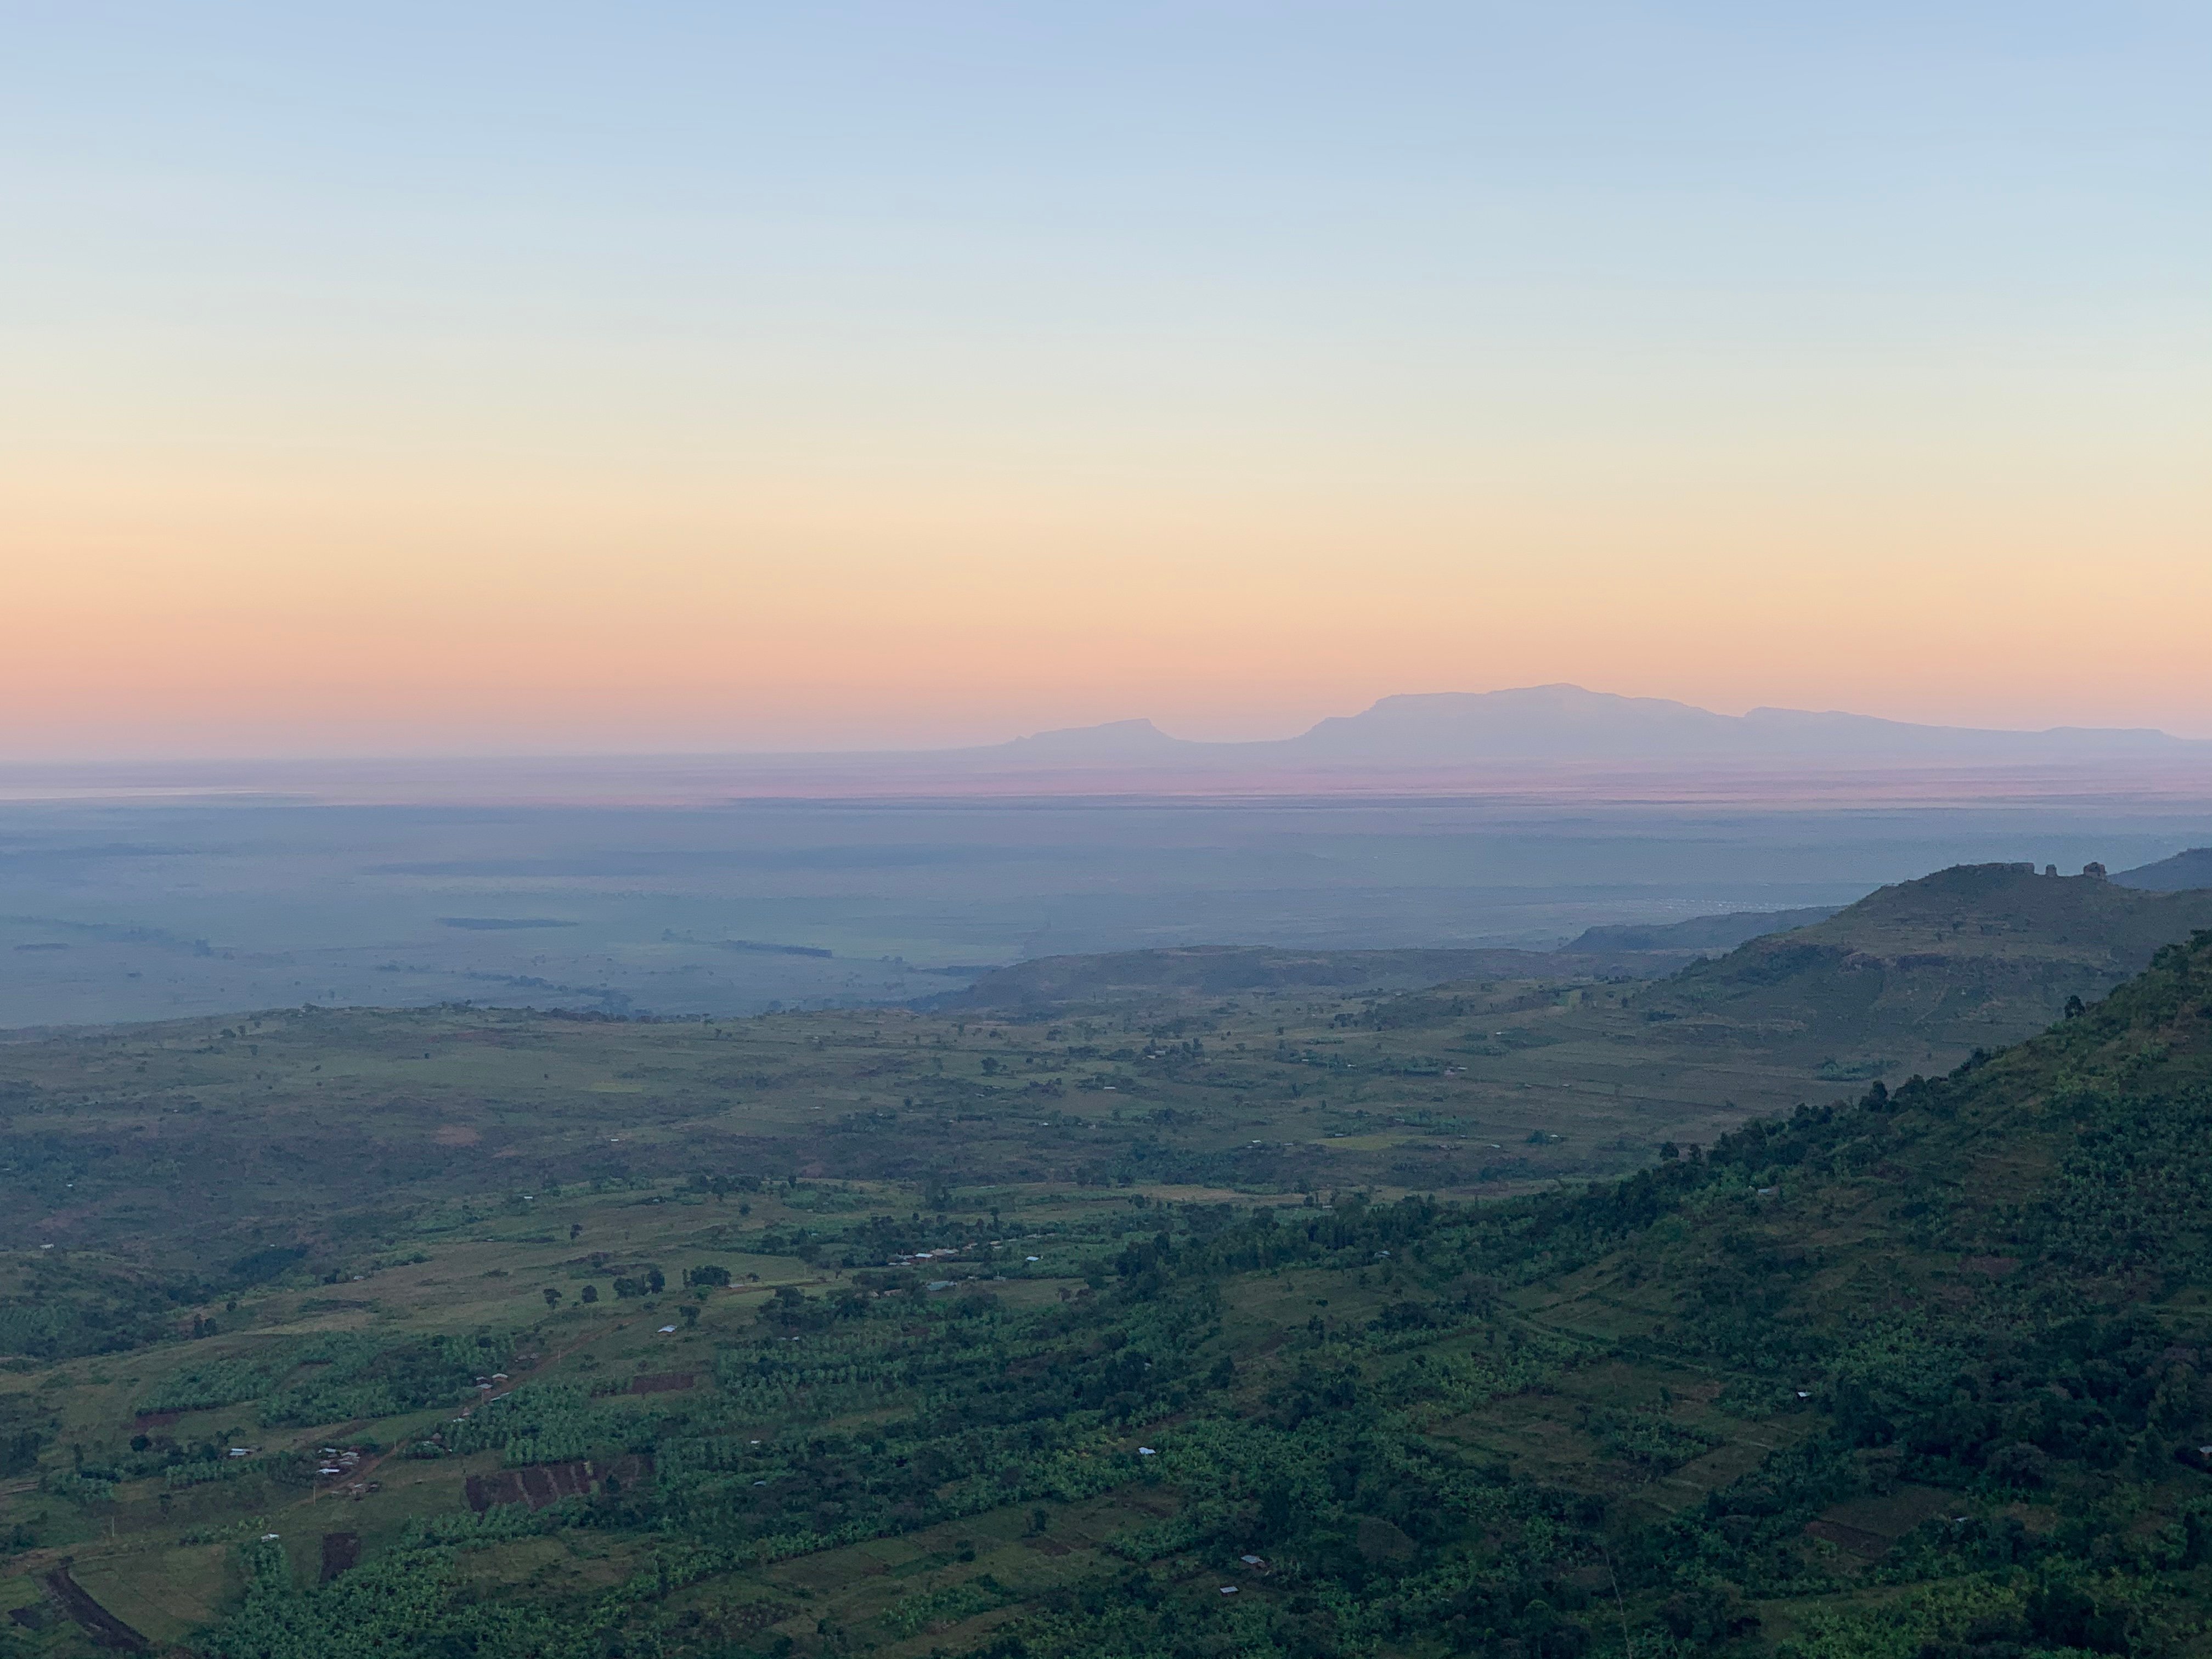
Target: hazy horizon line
834 752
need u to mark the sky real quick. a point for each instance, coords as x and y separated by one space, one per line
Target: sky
412 378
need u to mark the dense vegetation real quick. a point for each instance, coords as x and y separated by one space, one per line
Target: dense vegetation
1920 1374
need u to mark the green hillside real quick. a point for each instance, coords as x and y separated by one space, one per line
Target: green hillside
1991 1290
1974 956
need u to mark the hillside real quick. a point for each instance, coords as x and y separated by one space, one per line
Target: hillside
1721 932
2183 869
2065 1173
1989 1290
1915 975
1975 955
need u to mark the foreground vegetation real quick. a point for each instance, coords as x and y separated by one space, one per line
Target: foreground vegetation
1918 1372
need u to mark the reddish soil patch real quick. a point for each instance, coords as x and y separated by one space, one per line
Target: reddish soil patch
157 1419
542 1484
341 1551
106 1630
663 1381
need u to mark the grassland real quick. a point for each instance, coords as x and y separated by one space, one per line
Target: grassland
318 1129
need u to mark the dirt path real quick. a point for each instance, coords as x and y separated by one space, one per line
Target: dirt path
106 1630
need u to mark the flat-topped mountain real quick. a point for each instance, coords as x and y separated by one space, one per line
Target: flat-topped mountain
1136 739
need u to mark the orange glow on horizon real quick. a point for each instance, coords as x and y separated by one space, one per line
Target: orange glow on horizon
198 613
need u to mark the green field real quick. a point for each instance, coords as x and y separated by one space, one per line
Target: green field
903 1331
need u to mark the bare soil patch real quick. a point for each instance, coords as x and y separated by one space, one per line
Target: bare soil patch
544 1484
106 1630
341 1552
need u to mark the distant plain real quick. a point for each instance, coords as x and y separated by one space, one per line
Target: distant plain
123 907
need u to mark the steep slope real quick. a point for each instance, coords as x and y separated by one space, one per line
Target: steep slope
2183 869
1983 1297
1975 956
2070 1172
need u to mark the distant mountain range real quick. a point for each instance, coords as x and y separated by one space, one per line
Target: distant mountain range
1567 724
1541 736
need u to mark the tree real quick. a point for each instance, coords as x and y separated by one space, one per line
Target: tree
552 1296
590 1293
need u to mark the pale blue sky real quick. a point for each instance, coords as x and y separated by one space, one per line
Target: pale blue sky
1237 180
